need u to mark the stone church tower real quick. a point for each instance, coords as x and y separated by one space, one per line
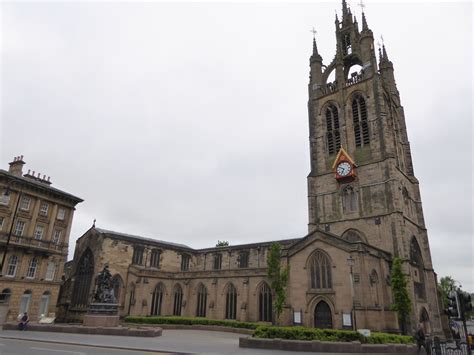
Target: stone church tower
364 210
362 185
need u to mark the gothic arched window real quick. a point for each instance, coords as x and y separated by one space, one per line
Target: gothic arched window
157 300
320 269
418 269
333 136
178 300
117 284
231 303
84 273
361 126
265 303
349 199
201 301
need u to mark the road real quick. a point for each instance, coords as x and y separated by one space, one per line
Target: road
22 347
172 341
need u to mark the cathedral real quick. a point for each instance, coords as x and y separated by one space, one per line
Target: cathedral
364 210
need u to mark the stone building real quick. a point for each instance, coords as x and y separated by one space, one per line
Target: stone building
364 209
35 223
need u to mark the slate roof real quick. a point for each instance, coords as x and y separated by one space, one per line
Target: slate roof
145 239
41 185
284 242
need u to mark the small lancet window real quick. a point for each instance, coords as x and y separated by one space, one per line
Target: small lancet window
361 126
333 136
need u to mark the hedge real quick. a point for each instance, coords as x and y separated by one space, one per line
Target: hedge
303 333
190 321
295 333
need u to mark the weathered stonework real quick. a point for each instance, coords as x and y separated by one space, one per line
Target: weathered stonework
31 200
383 218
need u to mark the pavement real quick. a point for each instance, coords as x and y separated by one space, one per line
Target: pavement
14 342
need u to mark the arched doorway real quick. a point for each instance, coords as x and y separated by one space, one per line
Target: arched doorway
322 316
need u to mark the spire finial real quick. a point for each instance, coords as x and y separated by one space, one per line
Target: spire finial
93 224
315 47
384 52
380 51
364 23
364 20
344 7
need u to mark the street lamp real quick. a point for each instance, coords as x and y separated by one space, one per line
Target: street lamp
351 262
6 200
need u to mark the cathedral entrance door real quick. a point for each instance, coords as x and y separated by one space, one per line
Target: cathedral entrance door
322 316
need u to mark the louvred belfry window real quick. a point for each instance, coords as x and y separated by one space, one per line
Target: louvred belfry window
346 44
333 136
361 126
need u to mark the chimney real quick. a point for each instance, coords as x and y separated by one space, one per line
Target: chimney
16 166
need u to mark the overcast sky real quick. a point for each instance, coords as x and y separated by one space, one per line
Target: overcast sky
187 122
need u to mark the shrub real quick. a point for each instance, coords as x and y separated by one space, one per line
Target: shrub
190 321
303 333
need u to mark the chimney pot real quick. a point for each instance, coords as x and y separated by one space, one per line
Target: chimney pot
16 166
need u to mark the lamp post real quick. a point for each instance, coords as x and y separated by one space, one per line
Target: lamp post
6 200
351 262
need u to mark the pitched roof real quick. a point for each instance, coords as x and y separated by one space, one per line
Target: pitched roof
42 186
285 242
145 239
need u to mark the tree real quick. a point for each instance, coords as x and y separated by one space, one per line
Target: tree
223 243
446 285
279 279
401 301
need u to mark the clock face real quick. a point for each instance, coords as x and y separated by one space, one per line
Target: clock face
344 168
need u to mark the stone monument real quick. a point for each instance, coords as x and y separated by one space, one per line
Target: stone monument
103 310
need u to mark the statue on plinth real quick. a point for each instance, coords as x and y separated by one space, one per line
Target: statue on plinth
104 292
103 310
